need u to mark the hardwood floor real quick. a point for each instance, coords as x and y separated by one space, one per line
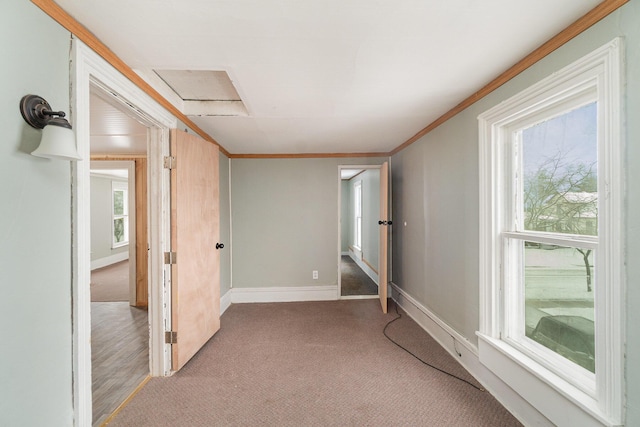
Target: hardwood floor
119 354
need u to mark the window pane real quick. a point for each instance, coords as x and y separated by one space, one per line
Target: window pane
559 310
118 202
119 232
559 159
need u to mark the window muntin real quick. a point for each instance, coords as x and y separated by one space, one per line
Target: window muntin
120 214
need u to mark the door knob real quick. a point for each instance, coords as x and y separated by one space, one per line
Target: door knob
219 245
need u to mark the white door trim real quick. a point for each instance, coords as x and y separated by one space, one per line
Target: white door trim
89 70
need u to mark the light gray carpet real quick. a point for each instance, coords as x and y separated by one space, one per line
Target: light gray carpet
314 364
110 283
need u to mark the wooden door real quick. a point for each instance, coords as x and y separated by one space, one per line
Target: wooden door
384 236
195 230
142 239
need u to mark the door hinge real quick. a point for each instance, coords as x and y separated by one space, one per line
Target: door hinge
170 258
170 162
170 337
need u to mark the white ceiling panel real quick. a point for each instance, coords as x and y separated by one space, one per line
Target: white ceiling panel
329 75
113 132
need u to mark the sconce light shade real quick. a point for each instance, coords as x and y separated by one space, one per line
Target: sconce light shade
58 140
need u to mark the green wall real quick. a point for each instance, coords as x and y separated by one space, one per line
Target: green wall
35 255
285 220
225 226
435 190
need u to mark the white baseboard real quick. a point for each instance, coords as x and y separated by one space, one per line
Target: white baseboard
225 301
446 336
466 353
284 294
111 259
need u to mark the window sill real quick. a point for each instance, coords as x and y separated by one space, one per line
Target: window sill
559 401
119 245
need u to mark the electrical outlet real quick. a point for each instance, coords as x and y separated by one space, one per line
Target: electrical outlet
315 274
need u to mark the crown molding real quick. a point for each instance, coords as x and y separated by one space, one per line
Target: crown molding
582 24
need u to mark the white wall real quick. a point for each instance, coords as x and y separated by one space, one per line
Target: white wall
101 210
435 190
35 225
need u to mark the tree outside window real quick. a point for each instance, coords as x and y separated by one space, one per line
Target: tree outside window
560 196
120 214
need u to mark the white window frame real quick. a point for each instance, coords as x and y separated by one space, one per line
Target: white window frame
560 392
120 186
357 214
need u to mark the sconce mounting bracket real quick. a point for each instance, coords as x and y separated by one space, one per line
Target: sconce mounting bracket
35 111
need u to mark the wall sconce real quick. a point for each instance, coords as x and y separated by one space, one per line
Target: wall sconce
58 140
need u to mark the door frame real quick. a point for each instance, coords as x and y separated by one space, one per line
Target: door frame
340 168
90 71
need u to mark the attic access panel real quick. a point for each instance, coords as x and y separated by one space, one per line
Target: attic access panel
204 92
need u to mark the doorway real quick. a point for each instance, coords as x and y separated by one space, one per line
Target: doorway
359 196
92 74
118 286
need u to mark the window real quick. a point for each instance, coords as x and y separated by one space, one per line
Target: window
120 213
550 263
547 241
357 214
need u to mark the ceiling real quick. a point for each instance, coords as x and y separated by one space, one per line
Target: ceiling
112 131
324 76
111 173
